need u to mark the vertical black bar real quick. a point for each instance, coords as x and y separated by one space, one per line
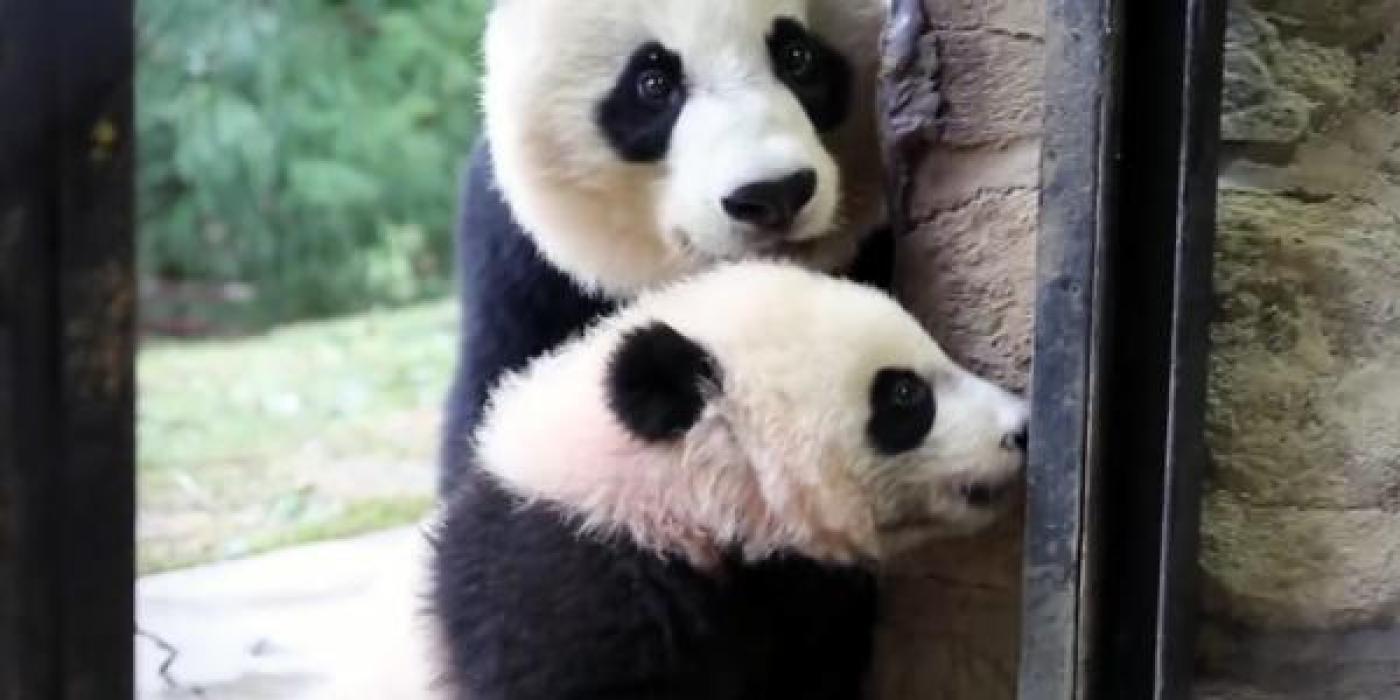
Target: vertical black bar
1158 283
1137 355
1128 217
1194 256
1076 205
29 604
67 501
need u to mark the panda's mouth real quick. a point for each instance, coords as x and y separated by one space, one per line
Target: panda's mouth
778 249
983 494
911 522
978 495
739 241
786 247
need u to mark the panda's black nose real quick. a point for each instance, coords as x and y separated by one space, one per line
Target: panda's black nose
773 204
1016 439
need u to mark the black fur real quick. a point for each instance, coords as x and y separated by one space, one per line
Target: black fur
874 263
638 126
658 380
515 305
822 82
531 610
902 409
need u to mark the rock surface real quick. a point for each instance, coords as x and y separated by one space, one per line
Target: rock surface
1301 525
952 612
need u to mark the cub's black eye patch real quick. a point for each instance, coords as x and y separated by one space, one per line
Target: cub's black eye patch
639 113
902 409
657 381
816 73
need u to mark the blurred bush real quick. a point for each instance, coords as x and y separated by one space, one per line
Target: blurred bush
305 152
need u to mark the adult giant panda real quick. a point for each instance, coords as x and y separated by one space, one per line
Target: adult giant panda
629 142
646 493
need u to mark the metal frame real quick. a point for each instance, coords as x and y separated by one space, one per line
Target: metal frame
67 463
1118 387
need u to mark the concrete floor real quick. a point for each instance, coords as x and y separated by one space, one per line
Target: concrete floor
340 620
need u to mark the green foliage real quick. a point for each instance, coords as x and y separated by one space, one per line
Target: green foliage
309 150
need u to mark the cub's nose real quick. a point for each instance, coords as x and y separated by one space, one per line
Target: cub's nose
1016 439
772 204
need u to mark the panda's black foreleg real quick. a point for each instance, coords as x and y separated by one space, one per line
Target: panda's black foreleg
874 263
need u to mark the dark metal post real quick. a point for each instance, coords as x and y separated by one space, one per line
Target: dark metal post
1077 186
67 502
1194 193
1128 204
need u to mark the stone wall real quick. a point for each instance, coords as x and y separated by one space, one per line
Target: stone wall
1301 531
951 614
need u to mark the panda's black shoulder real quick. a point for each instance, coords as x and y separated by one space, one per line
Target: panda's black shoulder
501 269
527 608
514 305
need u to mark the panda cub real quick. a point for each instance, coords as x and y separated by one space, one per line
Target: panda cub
646 493
629 142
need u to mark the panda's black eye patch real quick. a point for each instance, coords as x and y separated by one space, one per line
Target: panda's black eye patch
639 113
817 74
902 409
657 382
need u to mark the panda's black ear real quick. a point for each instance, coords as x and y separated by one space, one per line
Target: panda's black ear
658 381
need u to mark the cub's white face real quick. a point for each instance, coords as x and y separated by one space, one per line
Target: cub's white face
642 139
760 407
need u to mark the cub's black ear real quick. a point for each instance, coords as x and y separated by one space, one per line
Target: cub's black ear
658 380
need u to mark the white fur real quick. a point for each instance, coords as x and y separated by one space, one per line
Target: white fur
620 227
780 458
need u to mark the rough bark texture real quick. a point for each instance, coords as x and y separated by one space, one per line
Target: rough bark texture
1301 532
951 613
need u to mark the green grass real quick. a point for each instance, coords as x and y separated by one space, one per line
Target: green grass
311 431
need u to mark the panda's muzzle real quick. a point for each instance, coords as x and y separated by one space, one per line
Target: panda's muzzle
988 493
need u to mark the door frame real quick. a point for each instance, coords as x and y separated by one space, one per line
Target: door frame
67 304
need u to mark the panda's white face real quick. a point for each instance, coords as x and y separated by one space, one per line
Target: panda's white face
643 139
760 407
